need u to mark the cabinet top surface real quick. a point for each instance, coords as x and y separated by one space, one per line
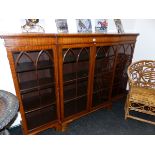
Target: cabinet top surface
3 36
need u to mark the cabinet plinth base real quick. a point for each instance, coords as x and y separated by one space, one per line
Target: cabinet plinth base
61 127
109 106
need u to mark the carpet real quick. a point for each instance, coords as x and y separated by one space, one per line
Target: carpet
101 122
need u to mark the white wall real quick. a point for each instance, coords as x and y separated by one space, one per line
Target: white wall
145 46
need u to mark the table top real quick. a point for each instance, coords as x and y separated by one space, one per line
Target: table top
8 107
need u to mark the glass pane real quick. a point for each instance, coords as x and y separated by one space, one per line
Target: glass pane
123 61
35 73
104 65
69 90
41 117
75 76
75 106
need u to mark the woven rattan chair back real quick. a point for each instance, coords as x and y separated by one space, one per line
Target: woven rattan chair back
142 73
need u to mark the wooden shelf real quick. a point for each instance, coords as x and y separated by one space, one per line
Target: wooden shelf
35 103
75 75
34 85
29 66
75 106
69 76
41 117
74 98
74 89
74 61
74 80
106 74
101 90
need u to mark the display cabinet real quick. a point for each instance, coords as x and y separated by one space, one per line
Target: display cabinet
61 77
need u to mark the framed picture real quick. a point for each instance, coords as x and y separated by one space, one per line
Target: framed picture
61 25
101 25
84 25
32 25
119 25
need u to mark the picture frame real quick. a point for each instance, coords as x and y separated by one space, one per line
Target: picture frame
119 25
32 26
101 25
62 26
84 25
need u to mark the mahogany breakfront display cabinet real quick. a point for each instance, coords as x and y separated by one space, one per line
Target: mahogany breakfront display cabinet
61 77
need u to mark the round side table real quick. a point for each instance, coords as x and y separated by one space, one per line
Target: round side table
8 109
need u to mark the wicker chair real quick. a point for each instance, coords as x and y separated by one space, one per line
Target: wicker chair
141 96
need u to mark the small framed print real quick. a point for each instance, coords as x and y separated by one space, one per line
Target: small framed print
84 25
101 25
32 26
119 25
62 26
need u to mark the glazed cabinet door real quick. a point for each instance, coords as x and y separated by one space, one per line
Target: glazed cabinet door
74 75
124 59
103 75
37 83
